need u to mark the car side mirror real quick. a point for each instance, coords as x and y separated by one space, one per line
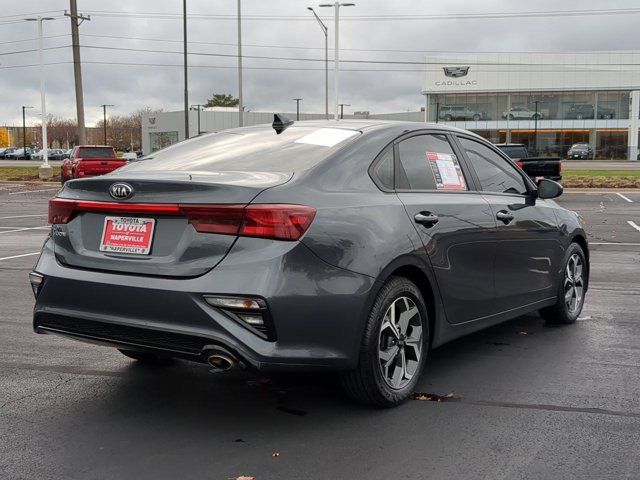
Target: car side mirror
549 189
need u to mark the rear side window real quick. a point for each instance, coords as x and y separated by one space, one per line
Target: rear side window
95 152
415 172
494 172
383 170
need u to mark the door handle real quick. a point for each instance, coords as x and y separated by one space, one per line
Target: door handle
426 218
504 216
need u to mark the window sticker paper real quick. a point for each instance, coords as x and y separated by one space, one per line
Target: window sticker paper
327 137
446 171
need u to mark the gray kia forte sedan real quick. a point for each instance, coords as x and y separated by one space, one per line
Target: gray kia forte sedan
353 246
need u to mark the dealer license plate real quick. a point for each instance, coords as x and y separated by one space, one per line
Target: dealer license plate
127 235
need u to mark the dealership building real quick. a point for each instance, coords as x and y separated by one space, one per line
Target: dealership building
545 101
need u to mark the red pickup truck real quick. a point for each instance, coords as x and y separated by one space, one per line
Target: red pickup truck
90 161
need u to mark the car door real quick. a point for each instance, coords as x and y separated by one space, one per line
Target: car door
453 220
528 240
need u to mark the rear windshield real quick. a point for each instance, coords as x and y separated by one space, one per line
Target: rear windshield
580 147
255 149
514 152
96 152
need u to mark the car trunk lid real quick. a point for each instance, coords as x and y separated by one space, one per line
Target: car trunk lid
161 211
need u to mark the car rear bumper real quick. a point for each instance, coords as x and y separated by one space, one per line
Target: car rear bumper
317 310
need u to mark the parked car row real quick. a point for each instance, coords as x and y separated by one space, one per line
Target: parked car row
577 111
16 153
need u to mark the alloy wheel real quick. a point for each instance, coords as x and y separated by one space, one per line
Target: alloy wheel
574 283
400 343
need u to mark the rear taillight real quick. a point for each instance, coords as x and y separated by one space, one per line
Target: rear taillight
276 221
520 164
223 219
282 222
61 211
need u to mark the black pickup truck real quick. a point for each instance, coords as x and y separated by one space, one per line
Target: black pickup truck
535 167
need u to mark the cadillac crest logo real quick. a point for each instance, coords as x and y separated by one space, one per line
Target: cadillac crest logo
455 72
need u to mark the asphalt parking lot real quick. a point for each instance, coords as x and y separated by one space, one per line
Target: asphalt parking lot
533 402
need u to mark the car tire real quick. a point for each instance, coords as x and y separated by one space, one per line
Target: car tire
607 116
405 343
144 357
571 292
448 118
476 117
511 117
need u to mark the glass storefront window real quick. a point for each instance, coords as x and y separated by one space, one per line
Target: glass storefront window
159 140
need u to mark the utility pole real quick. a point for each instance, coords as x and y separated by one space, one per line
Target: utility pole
104 120
325 30
198 106
297 100
535 130
336 55
24 131
240 104
76 21
45 170
342 105
186 73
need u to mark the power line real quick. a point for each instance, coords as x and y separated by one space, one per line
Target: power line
451 16
385 62
391 50
227 67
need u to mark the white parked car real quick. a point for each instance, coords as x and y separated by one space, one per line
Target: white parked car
521 113
53 154
129 156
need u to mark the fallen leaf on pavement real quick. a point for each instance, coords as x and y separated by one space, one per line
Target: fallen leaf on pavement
432 397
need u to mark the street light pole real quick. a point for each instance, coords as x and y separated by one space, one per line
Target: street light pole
297 100
535 130
186 70
104 120
336 55
240 104
24 131
45 170
325 30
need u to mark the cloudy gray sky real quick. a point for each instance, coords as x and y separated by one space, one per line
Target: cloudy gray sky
133 79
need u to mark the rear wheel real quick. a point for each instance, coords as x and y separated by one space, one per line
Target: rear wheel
571 289
394 347
476 117
144 357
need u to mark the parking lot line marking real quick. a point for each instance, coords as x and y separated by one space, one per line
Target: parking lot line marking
624 198
20 256
24 216
35 191
23 229
634 225
614 243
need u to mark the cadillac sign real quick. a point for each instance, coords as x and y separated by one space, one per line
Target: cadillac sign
456 72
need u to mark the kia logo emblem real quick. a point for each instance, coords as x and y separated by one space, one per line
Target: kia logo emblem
121 191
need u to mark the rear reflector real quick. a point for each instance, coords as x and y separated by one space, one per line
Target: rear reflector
277 221
520 164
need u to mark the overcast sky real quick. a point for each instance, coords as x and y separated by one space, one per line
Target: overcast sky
133 86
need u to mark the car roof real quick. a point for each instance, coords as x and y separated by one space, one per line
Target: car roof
509 144
365 125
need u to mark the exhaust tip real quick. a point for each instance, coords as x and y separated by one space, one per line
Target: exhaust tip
221 363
